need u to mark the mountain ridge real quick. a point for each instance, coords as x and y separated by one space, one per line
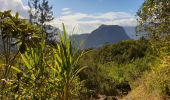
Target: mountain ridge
104 34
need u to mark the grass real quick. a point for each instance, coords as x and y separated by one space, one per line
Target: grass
155 84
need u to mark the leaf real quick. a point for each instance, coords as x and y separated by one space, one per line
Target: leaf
22 48
26 61
77 72
16 69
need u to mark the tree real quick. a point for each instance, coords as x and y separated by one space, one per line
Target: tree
154 18
46 15
33 12
40 13
14 32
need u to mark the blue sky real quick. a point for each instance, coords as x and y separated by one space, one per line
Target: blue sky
84 15
94 6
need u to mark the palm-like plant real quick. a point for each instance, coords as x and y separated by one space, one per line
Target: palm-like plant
65 67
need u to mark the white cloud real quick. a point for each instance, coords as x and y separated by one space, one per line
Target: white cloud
111 15
86 23
73 17
65 9
15 6
66 12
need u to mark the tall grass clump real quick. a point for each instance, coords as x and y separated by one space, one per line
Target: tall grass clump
64 67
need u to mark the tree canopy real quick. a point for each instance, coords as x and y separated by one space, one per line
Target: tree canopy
154 18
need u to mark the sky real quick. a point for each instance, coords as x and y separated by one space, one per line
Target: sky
84 15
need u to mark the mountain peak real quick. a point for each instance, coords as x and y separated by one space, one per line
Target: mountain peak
106 26
105 34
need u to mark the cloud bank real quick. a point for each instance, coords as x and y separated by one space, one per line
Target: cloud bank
15 6
86 23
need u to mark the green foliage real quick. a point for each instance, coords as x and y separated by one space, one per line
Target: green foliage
123 52
40 12
113 65
40 71
65 65
160 81
33 12
36 70
46 13
14 32
155 83
154 18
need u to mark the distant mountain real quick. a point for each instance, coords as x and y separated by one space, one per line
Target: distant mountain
78 39
130 30
105 34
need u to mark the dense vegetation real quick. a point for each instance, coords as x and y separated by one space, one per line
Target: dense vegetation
112 66
33 68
